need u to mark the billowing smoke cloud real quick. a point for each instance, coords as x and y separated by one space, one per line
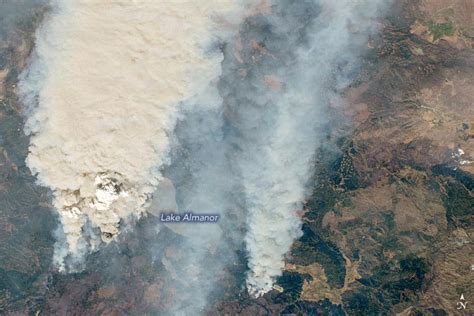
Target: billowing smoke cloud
276 113
134 99
103 90
248 153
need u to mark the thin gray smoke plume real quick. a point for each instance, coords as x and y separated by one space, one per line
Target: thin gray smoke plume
250 155
204 184
276 113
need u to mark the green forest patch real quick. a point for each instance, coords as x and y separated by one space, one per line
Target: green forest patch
439 30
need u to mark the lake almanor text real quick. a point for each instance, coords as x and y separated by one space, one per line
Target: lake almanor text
188 217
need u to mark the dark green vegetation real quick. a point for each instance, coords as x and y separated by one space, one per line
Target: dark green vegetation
313 248
324 307
459 203
292 284
466 179
346 176
392 283
458 196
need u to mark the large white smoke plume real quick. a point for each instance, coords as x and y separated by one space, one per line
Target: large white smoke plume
103 88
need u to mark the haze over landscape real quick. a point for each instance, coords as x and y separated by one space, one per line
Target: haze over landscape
316 134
